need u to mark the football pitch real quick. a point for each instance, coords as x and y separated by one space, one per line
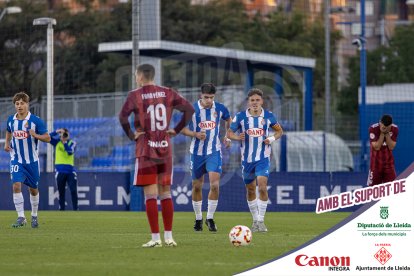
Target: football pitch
109 243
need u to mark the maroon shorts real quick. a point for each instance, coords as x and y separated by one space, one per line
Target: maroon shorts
153 171
376 177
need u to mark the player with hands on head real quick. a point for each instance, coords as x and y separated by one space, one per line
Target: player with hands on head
383 139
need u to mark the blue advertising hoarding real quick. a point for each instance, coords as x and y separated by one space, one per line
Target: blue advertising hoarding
96 191
288 192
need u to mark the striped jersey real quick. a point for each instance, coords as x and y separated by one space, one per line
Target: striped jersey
208 120
256 129
24 146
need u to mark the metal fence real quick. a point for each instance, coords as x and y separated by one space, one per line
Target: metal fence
102 141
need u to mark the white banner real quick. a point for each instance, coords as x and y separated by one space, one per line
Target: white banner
375 241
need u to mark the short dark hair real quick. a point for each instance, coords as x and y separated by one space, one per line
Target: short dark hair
386 119
254 91
147 70
21 96
208 88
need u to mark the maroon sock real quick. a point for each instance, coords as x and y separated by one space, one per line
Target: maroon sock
152 214
167 209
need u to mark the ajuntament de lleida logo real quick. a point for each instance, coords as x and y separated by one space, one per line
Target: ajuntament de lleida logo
384 212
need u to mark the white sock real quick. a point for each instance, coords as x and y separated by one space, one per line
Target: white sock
197 209
211 208
34 200
253 209
19 204
155 237
167 235
262 205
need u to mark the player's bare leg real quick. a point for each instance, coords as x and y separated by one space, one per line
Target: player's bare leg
212 200
151 193
197 198
262 202
252 203
19 205
34 201
167 210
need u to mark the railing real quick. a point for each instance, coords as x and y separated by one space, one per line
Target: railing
99 145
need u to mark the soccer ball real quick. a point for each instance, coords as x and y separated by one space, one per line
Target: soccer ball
240 235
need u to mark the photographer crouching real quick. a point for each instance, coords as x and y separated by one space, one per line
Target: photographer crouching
64 166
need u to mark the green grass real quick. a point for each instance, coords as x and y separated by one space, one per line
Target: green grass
109 243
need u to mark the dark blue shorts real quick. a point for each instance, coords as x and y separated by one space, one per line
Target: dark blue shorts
201 164
27 174
252 170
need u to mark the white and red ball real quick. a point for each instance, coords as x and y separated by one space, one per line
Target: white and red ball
240 235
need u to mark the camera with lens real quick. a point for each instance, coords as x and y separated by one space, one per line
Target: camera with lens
64 133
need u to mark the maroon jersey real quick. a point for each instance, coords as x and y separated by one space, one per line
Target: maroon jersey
381 159
153 106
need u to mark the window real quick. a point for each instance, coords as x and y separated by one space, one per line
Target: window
369 8
356 29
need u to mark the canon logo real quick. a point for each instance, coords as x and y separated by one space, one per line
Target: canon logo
304 260
207 125
20 134
255 132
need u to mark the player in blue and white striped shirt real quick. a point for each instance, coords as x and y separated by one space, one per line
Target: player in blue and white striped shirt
23 132
205 152
254 126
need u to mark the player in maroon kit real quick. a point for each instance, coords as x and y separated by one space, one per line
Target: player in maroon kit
152 106
383 138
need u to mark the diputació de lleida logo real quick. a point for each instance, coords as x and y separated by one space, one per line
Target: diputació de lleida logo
384 212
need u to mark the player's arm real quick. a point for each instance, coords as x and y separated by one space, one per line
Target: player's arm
388 140
40 133
226 140
199 135
278 133
45 137
69 146
235 126
376 145
126 110
54 138
233 136
7 141
186 108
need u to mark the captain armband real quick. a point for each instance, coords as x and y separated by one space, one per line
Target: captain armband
271 139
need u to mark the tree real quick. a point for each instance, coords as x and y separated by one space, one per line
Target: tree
221 22
79 68
77 61
19 50
391 64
